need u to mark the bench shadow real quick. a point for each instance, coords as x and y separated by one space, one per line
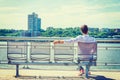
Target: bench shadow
40 77
99 77
92 77
27 77
50 78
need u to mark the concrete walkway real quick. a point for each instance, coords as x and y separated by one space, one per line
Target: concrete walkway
30 74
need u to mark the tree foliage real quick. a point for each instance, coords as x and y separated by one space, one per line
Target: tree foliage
60 32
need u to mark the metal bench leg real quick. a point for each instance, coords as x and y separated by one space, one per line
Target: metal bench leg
17 70
86 71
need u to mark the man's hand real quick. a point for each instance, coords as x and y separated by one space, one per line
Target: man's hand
56 42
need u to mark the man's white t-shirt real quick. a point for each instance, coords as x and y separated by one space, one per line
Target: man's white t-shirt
81 38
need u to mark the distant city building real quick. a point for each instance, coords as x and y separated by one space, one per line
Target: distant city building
116 30
104 30
34 25
25 33
94 29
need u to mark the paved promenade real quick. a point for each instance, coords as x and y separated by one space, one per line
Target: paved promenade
30 74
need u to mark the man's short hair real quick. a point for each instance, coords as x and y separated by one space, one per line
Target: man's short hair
84 29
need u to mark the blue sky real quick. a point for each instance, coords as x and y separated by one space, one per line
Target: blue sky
60 13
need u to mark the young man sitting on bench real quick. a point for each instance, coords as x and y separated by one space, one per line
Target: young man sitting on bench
80 38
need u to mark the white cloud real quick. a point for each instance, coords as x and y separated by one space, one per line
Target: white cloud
8 8
64 15
75 15
103 19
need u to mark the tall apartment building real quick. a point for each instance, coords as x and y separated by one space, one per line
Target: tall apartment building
34 24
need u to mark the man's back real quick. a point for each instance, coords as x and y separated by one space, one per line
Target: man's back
87 50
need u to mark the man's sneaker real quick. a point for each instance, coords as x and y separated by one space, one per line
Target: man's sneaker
81 72
89 73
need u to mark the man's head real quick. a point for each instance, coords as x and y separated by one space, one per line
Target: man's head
84 29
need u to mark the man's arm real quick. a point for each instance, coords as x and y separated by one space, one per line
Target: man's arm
58 42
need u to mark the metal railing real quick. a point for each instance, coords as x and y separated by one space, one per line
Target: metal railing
105 52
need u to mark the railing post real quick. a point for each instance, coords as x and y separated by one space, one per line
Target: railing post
28 53
51 52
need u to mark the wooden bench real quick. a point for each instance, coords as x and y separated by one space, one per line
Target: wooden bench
42 53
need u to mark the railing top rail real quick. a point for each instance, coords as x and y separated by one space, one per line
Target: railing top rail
2 38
